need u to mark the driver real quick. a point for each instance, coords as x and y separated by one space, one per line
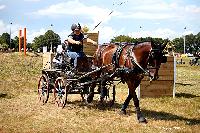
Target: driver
75 44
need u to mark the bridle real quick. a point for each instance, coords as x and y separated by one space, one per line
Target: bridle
143 70
151 57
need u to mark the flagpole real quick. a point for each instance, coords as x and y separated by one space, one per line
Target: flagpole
184 41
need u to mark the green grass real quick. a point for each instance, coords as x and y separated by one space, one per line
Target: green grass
21 112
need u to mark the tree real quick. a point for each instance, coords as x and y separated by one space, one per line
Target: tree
122 38
192 43
178 44
48 39
197 42
51 38
5 39
15 43
38 42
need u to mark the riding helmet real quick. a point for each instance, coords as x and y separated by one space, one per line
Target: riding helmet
75 26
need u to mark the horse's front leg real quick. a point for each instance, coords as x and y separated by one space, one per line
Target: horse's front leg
132 87
125 105
140 117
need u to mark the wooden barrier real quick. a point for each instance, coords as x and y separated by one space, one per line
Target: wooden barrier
165 85
47 60
89 48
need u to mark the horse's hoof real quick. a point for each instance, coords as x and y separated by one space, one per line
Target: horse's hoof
142 120
122 112
89 99
111 103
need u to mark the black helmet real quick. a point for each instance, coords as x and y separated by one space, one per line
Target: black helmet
75 26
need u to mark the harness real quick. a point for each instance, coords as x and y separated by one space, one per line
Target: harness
134 62
117 54
136 68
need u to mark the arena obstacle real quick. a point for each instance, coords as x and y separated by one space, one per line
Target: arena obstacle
164 86
90 49
20 41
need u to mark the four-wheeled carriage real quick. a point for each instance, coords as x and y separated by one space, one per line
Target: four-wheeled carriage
65 80
82 82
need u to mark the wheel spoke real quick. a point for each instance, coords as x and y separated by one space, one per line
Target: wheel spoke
43 89
60 92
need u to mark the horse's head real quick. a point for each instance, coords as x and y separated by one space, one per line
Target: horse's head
156 57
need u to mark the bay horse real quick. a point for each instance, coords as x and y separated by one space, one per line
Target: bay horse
130 63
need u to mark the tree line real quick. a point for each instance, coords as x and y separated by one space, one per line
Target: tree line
48 39
51 38
192 42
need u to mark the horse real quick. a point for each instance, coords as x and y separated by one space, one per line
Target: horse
131 63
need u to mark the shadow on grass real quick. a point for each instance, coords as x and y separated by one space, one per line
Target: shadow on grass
185 95
169 117
184 84
5 95
147 113
94 105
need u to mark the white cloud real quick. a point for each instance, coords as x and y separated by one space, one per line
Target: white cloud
147 15
32 0
2 27
159 9
158 33
192 9
76 8
31 34
106 33
63 34
5 28
2 7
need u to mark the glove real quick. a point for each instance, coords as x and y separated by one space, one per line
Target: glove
94 42
78 42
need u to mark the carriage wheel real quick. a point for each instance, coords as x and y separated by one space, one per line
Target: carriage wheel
60 92
110 97
43 89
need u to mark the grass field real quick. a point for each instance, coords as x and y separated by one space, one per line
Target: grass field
21 112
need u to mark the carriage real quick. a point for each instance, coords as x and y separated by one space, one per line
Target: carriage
62 80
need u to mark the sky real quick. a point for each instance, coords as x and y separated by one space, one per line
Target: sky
135 18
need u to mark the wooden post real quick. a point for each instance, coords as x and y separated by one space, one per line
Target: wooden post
20 42
24 41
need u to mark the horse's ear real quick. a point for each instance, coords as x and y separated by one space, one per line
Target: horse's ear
165 44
